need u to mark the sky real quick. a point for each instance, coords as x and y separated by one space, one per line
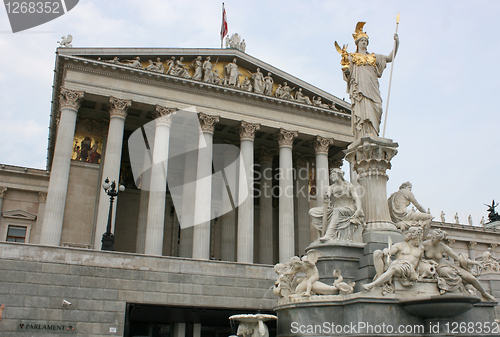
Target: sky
442 110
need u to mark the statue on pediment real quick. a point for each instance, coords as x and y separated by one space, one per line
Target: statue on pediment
207 70
66 41
247 84
234 41
134 63
301 98
268 85
180 69
156 66
170 66
258 81
317 102
233 74
198 69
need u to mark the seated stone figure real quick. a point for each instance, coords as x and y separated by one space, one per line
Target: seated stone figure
404 217
344 213
451 276
408 254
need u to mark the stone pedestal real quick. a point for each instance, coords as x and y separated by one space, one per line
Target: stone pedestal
344 256
370 158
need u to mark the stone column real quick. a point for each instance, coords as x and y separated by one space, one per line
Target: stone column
140 243
321 147
371 159
112 160
188 195
3 192
286 226
246 209
203 198
266 206
302 192
70 102
42 200
158 188
228 220
179 329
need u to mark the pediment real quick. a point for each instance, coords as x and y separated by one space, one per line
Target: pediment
141 59
19 214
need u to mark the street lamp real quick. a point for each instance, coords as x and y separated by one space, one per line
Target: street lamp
108 239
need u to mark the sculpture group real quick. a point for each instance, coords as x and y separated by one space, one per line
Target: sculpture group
231 76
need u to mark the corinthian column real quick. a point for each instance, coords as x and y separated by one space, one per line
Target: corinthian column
286 213
228 220
266 207
371 159
112 160
302 192
203 198
246 208
321 146
70 102
158 188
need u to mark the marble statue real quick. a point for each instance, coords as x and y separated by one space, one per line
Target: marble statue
286 91
457 220
408 254
442 217
451 276
361 75
258 82
344 288
317 102
198 69
247 84
115 60
180 69
488 263
233 74
216 78
482 222
170 66
268 85
469 220
156 66
309 284
135 63
207 71
301 98
234 41
66 41
284 285
401 215
343 214
279 91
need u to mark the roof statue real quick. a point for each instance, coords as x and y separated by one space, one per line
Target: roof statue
234 41
493 215
66 41
361 72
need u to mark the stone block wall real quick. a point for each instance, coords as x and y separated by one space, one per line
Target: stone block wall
34 280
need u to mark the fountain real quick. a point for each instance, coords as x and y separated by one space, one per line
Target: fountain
252 325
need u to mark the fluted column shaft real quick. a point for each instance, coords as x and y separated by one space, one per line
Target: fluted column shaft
203 198
302 192
228 220
112 161
286 213
155 224
321 146
266 207
246 208
70 102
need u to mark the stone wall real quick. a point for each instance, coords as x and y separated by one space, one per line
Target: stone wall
34 280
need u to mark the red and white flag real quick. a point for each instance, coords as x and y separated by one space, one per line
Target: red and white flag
223 28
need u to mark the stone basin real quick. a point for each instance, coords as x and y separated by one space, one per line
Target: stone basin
442 306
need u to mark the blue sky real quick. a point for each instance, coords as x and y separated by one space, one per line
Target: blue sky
443 106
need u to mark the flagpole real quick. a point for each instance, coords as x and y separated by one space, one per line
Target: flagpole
221 37
390 78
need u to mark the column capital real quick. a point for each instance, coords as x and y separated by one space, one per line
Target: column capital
266 155
370 157
471 244
42 197
70 99
3 192
208 122
321 144
285 138
163 115
247 130
118 107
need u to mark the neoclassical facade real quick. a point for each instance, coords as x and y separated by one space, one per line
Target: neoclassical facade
286 133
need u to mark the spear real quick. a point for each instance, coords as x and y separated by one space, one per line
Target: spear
390 78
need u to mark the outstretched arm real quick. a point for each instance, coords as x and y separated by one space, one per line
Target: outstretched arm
393 53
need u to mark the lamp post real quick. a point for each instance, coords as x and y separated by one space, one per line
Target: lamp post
108 239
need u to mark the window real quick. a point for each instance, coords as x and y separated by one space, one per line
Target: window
16 234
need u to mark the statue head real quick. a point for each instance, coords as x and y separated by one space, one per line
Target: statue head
405 185
336 173
438 234
359 34
414 236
